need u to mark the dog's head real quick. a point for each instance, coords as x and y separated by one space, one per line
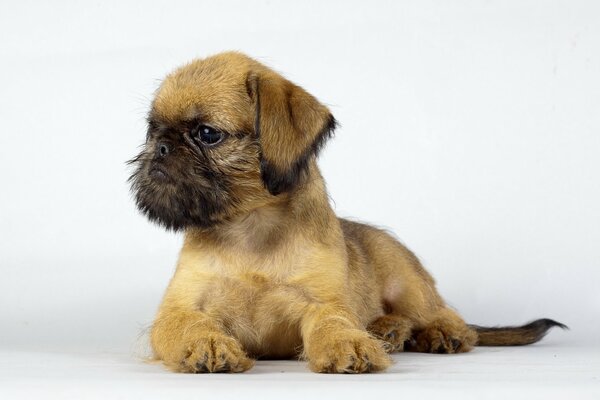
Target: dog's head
225 135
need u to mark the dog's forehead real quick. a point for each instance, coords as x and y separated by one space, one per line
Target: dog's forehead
212 89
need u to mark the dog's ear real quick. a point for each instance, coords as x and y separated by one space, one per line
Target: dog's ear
291 126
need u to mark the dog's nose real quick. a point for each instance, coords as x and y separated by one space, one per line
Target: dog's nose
162 150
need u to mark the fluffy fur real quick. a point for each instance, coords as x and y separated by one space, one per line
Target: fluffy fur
266 268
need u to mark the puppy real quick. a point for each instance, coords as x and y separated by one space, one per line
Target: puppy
267 269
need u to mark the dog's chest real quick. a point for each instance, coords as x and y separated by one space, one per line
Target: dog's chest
258 299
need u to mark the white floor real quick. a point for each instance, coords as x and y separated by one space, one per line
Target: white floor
546 370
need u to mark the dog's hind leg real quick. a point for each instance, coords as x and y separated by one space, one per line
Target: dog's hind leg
413 315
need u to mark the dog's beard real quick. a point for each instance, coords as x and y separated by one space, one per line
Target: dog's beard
179 198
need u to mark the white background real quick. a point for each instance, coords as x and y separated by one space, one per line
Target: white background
471 129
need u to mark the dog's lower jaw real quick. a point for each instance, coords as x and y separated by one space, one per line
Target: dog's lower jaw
169 209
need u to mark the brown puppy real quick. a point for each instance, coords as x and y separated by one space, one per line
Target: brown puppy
267 269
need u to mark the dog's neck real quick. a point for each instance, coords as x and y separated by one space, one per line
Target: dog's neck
269 225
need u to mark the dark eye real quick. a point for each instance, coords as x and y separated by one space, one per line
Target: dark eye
208 135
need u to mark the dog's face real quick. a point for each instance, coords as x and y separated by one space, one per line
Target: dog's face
226 135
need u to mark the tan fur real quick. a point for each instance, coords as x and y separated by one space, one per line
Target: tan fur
282 276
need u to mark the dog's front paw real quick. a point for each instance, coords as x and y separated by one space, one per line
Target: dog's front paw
350 351
214 353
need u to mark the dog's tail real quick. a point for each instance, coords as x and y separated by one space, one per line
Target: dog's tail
515 335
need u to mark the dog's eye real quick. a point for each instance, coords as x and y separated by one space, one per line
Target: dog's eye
208 135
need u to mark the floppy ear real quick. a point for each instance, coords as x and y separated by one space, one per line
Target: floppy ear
291 126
